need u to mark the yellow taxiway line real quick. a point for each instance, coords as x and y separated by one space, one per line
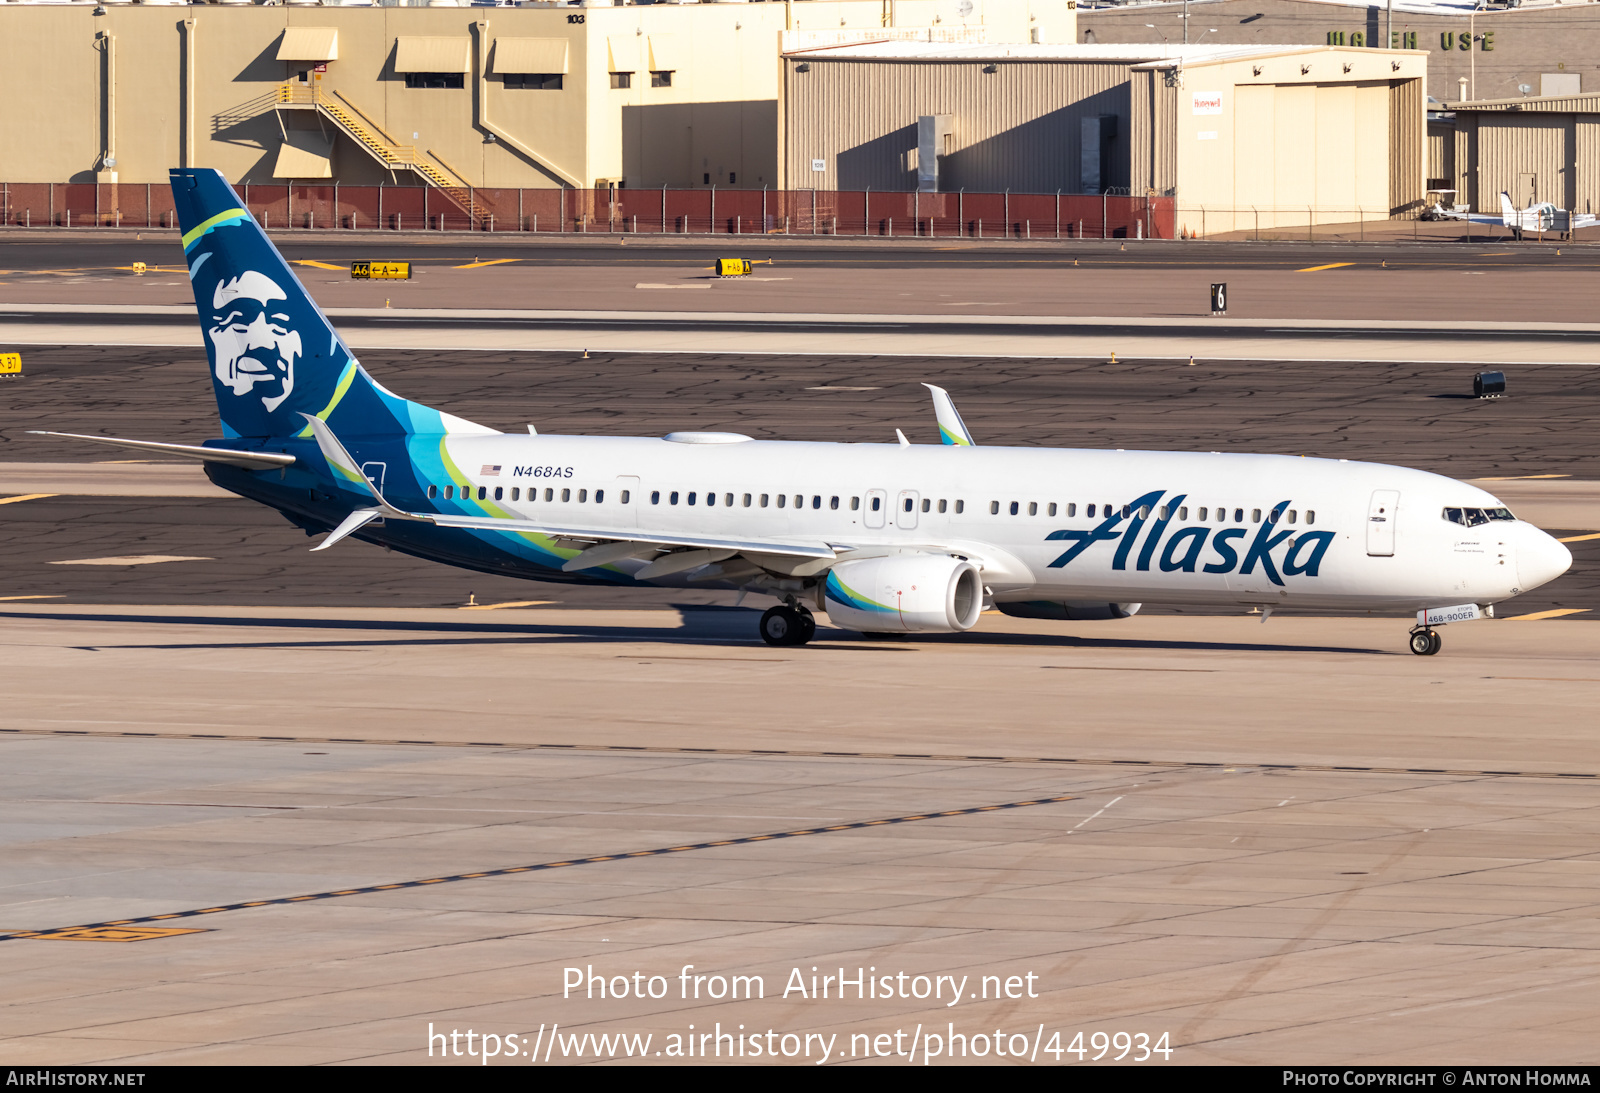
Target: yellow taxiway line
1556 614
24 497
1330 265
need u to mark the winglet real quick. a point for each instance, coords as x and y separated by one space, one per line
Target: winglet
952 430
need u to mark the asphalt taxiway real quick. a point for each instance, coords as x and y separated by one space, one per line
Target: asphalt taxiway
237 553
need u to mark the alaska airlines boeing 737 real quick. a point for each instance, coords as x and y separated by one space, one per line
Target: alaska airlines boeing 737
886 538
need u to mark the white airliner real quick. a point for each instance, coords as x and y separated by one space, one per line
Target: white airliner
888 539
1536 218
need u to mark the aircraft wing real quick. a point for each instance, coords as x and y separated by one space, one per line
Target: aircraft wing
644 538
1584 220
1475 218
254 461
700 549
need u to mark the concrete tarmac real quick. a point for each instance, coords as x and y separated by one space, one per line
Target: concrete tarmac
1267 844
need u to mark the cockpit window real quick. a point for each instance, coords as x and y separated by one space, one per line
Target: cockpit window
1473 517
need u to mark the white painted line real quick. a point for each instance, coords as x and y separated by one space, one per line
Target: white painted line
1113 801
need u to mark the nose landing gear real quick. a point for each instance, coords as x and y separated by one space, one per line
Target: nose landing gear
788 624
1425 642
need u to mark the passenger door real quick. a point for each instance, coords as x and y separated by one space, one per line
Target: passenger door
877 503
1381 514
905 509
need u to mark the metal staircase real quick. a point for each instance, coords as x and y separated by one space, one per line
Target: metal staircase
392 156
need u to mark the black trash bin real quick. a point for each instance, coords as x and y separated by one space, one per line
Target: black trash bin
1489 384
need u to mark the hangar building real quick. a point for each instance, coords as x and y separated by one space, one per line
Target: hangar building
1535 149
1269 136
1477 50
540 95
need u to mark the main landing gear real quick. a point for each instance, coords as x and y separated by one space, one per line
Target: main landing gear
1426 642
788 624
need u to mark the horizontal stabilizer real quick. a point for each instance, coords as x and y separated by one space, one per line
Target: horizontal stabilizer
352 523
253 461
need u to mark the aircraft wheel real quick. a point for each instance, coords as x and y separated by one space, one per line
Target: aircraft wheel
1425 643
1438 642
783 625
808 626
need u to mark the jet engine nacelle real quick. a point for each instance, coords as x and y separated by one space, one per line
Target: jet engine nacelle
1070 612
905 593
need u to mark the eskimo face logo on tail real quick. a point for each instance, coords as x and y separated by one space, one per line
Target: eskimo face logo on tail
1276 545
254 346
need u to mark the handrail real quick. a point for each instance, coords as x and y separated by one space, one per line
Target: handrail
349 117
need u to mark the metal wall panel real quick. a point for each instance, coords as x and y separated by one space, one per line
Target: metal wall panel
1377 145
1016 127
1154 137
1408 164
1586 163
1526 157
1569 104
1442 153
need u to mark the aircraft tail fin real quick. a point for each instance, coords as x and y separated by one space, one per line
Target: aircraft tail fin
1507 209
274 355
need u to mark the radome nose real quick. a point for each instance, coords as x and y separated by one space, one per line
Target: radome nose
1541 558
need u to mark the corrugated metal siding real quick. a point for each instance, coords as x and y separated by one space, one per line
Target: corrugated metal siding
1586 167
1526 156
1153 143
1467 160
1442 152
1408 162
1015 128
1153 147
1572 104
1142 132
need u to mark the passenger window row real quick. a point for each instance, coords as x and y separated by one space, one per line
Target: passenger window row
710 498
832 502
1203 513
909 505
550 494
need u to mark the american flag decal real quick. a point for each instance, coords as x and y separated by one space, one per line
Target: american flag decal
490 470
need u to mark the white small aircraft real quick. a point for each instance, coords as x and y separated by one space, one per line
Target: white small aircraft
1537 218
886 538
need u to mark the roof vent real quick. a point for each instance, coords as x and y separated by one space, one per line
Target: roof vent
707 438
